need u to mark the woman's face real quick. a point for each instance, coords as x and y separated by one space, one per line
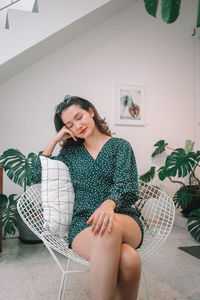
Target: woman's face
79 121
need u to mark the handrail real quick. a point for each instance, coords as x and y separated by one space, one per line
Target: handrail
12 2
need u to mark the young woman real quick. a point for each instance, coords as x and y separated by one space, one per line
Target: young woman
105 228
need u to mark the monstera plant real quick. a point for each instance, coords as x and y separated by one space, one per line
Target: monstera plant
170 10
181 164
17 167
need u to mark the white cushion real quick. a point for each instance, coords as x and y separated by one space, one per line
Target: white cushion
57 196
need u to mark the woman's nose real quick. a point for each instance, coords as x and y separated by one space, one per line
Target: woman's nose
78 126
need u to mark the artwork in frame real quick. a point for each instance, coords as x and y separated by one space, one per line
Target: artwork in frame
130 105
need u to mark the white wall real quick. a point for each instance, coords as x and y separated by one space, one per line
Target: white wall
130 48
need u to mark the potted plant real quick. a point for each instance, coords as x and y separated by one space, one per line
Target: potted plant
17 167
180 164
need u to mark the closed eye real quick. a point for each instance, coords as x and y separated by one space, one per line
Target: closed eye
79 117
69 125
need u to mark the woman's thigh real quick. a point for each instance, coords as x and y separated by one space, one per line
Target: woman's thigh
82 243
131 234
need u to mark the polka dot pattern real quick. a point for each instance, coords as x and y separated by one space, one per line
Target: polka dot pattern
112 175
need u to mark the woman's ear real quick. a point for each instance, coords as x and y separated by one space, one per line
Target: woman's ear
91 112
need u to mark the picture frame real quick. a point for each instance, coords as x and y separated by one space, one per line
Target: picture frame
130 105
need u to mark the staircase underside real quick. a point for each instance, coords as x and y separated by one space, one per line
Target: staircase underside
57 39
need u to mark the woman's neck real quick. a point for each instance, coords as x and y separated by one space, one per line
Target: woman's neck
96 139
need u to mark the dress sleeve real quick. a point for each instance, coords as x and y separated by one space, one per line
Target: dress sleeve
36 170
124 190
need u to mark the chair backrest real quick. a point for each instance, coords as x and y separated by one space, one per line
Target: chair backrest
157 215
30 209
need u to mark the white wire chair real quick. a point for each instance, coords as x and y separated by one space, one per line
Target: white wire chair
157 210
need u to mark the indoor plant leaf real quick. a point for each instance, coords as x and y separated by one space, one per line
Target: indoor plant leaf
151 7
17 166
161 146
182 198
170 10
179 163
189 146
198 16
163 173
10 215
148 176
194 224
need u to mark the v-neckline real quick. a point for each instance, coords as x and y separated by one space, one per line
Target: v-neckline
94 159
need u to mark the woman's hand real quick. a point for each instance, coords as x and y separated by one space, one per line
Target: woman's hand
102 218
64 134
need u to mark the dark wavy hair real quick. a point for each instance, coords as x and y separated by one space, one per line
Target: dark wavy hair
84 104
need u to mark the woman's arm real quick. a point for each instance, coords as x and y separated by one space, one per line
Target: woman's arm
124 190
63 134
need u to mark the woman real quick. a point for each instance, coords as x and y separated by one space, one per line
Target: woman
105 229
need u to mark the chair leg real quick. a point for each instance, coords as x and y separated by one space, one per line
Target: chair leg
145 286
63 283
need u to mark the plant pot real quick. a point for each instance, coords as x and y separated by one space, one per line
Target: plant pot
26 235
195 202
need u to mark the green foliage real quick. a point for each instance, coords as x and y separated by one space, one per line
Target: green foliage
189 146
180 164
151 7
170 10
148 176
10 216
182 198
198 16
163 173
17 166
194 224
161 147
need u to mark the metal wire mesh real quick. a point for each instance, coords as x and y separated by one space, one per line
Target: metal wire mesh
158 212
31 211
156 207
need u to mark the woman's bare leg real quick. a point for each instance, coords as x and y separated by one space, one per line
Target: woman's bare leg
108 258
130 264
129 274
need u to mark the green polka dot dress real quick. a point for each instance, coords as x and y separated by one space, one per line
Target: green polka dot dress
112 175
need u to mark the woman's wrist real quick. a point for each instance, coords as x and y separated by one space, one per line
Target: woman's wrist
111 203
50 147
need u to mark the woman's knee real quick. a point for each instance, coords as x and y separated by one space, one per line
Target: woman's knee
130 263
110 238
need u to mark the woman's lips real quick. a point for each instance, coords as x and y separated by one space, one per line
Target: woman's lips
83 131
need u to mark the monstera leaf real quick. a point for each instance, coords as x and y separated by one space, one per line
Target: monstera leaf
163 173
182 198
17 166
148 176
9 218
194 224
161 146
189 146
179 163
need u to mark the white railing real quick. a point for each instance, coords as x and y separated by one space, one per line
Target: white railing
6 3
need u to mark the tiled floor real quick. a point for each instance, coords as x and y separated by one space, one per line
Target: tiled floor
27 272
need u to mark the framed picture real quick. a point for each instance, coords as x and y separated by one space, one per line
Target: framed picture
130 108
